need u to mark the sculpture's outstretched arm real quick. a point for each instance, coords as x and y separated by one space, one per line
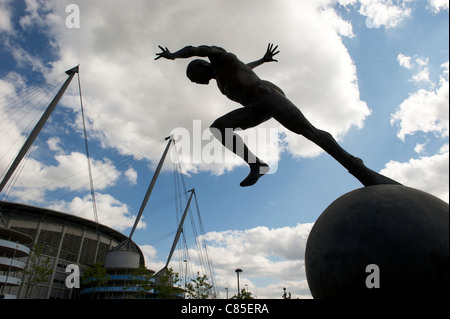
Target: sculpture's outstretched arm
268 57
188 52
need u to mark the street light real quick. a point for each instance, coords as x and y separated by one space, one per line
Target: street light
227 291
185 273
237 272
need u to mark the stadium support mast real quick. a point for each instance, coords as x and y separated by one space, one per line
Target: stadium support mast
180 229
177 237
150 187
37 129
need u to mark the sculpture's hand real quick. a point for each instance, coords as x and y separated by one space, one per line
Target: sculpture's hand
270 53
164 54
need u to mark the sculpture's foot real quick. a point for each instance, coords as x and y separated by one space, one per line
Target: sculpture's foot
369 177
256 171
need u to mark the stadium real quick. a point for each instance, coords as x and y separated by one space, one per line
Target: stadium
61 239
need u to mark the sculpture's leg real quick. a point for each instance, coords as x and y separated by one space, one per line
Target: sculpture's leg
223 129
354 165
292 118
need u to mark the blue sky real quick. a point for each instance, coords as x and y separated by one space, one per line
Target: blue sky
374 73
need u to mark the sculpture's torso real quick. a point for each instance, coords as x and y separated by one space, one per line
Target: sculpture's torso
234 78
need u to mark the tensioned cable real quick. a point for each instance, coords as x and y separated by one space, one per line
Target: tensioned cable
91 182
103 174
200 241
202 231
12 102
18 104
16 99
12 182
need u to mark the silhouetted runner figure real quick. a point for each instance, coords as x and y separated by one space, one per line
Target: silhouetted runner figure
262 100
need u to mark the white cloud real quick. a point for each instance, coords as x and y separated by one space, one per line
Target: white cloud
68 169
9 130
111 212
418 64
283 242
388 13
430 174
344 28
70 173
131 175
419 148
133 100
438 5
425 110
382 13
422 76
424 72
266 255
5 16
271 258
422 62
26 59
404 61
54 144
150 257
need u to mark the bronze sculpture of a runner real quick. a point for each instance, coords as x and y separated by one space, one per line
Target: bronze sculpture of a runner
261 100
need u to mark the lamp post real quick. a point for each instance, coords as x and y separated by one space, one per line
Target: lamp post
237 272
227 291
185 260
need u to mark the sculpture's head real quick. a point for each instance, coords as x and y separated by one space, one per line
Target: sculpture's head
200 71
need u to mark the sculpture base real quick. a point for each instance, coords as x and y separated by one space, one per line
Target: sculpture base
401 230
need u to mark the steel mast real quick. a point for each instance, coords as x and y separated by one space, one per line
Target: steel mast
150 187
37 129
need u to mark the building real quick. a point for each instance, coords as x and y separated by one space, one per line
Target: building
122 277
120 280
63 239
13 246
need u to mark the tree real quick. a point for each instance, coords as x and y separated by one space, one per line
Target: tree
96 276
166 284
244 295
143 278
38 271
199 288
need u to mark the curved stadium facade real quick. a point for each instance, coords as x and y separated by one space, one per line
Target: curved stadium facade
63 239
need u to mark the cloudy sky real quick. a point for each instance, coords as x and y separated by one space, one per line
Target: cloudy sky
374 73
